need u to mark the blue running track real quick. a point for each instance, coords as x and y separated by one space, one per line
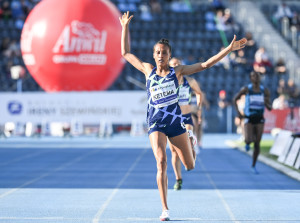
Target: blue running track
97 180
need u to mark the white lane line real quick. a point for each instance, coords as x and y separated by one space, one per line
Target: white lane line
77 146
148 219
225 204
47 174
106 203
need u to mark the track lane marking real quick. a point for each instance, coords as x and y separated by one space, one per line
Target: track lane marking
109 199
225 204
47 174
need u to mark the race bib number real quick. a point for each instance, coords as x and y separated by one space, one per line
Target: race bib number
184 96
164 94
256 101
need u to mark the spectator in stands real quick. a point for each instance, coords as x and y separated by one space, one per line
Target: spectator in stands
220 21
164 117
14 12
13 49
229 22
5 11
223 103
250 40
257 98
241 58
232 59
280 102
7 69
295 21
292 92
283 11
262 63
155 6
238 59
225 22
262 55
5 44
280 67
282 88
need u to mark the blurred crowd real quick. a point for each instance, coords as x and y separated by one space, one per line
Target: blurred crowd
13 14
219 25
285 17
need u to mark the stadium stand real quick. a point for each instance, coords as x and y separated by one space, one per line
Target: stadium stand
198 37
285 17
12 17
195 28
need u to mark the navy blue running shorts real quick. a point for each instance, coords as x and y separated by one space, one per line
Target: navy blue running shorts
254 120
188 119
173 130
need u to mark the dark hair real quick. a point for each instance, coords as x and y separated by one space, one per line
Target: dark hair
164 42
254 72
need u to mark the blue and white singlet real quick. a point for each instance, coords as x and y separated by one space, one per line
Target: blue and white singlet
185 93
163 112
185 98
254 102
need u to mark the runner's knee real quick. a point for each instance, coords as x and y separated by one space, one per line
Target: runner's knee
190 166
161 164
173 151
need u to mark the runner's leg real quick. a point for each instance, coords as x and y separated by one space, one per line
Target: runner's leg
158 142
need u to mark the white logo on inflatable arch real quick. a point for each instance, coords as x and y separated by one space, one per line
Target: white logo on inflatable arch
85 44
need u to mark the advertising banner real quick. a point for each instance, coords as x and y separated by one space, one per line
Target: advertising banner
288 119
86 107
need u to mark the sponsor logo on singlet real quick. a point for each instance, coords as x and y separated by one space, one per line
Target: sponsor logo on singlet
256 101
164 94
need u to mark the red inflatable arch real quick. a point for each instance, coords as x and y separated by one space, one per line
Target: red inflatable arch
73 45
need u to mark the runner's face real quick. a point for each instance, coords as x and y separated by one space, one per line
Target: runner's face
255 78
161 54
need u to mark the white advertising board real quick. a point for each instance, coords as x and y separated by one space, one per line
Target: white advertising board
297 163
280 142
293 154
286 150
118 107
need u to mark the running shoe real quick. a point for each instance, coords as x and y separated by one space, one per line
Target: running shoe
194 145
247 147
178 184
194 142
193 138
254 170
165 216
